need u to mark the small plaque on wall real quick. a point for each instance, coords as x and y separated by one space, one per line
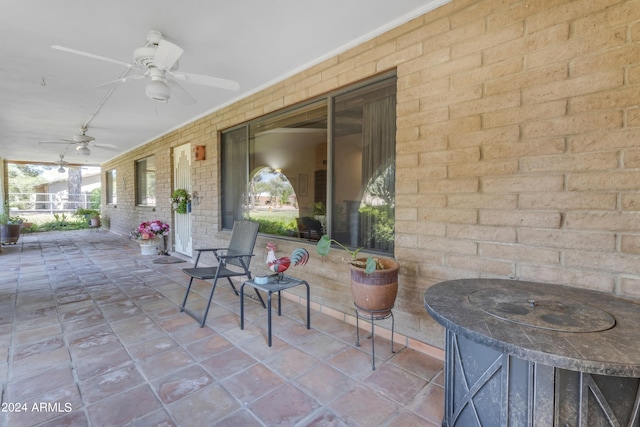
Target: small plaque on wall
199 152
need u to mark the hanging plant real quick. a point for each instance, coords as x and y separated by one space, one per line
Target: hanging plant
179 200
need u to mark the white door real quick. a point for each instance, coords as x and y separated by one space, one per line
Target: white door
182 179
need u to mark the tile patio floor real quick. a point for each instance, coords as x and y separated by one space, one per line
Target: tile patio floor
91 335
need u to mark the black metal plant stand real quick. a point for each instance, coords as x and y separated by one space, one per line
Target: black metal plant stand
372 316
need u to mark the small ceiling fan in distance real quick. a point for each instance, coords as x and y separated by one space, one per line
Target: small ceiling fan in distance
157 61
82 142
61 164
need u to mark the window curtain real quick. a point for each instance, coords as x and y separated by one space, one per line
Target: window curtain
378 174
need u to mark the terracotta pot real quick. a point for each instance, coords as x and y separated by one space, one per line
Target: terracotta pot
376 292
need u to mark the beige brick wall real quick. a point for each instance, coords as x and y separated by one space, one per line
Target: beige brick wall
518 149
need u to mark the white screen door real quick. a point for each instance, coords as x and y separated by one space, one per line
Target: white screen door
182 179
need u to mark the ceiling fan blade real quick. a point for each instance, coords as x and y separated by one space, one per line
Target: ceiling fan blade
167 55
207 80
123 80
180 93
54 142
105 146
91 55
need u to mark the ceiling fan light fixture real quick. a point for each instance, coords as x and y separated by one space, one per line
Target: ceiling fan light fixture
83 150
158 90
61 169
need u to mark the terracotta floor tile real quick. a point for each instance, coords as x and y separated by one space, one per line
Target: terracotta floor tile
396 384
33 335
239 418
203 407
363 406
181 383
46 406
284 406
252 383
324 418
130 405
109 384
156 366
145 349
209 346
45 381
407 419
417 363
325 383
230 362
324 346
353 362
190 334
291 362
96 364
74 419
429 403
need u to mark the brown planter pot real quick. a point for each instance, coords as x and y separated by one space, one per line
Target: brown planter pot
10 233
375 293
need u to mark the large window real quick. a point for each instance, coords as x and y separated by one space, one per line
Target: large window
325 167
146 181
112 197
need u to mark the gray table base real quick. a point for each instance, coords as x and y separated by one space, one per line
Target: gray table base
274 285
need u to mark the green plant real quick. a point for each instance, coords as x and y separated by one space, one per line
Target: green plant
7 218
86 213
179 200
370 265
318 208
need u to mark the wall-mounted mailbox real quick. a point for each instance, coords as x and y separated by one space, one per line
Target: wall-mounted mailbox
199 152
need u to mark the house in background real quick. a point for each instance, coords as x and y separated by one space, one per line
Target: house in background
54 195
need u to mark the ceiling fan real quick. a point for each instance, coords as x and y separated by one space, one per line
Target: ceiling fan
158 62
82 142
61 164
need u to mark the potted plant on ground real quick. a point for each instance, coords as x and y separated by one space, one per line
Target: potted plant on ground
147 233
374 280
9 227
91 215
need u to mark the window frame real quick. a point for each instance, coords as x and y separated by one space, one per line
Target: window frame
111 187
142 190
329 100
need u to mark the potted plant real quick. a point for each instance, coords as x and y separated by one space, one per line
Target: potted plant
91 215
9 227
147 233
374 280
181 201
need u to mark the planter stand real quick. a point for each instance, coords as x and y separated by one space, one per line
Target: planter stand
372 316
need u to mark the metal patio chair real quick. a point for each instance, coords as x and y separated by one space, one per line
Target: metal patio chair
233 261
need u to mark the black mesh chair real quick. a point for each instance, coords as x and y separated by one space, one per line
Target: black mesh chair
233 261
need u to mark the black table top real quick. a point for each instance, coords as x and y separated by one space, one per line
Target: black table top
275 285
555 325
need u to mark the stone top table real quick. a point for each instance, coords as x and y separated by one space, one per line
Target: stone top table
562 337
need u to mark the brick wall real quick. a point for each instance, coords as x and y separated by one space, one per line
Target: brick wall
518 149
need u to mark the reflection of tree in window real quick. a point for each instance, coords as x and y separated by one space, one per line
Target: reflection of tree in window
377 208
272 201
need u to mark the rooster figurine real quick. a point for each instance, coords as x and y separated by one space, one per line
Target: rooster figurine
299 256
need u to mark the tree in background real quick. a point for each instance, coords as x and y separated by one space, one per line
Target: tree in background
22 180
75 188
